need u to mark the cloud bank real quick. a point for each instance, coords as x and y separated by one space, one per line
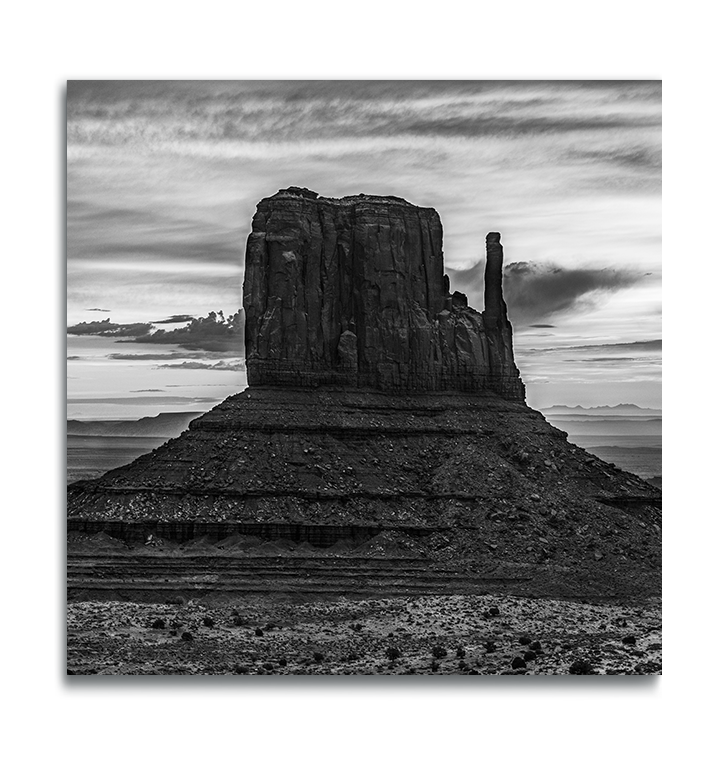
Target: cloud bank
213 333
535 292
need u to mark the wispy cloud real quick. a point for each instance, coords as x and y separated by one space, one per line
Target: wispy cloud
185 112
220 365
176 318
125 400
152 355
652 345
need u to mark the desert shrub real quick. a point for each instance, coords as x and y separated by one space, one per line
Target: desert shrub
393 653
439 652
460 652
259 632
207 621
158 623
319 658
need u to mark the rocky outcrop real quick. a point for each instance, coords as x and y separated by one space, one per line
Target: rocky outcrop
351 292
380 404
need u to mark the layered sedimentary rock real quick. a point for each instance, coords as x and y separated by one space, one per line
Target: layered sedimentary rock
380 404
351 292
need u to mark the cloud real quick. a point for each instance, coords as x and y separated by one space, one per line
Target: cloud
534 292
147 399
148 390
107 328
176 318
151 356
221 365
651 345
214 333
637 157
123 113
102 233
541 325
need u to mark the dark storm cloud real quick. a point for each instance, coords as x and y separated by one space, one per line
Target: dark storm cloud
537 291
541 325
533 292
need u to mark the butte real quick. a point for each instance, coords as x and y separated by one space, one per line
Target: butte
383 445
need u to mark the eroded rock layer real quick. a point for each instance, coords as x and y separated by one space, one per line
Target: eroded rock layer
383 415
352 292
479 481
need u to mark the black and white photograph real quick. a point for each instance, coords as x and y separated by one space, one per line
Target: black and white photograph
364 378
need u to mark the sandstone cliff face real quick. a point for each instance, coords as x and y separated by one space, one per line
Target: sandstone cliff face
351 292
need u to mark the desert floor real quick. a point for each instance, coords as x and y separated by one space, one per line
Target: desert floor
296 635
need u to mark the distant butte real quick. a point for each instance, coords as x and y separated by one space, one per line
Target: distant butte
379 405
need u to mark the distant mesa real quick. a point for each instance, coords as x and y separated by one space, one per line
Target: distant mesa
619 410
167 425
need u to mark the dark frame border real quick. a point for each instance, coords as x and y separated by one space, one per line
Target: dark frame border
283 687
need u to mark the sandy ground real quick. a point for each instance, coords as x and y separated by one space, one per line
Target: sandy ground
434 635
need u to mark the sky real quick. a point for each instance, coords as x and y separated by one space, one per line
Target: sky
163 178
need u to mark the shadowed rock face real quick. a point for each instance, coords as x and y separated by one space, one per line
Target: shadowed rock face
351 292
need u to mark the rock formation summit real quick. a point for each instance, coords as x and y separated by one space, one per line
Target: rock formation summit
383 414
351 292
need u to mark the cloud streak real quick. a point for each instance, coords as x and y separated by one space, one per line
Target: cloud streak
221 365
